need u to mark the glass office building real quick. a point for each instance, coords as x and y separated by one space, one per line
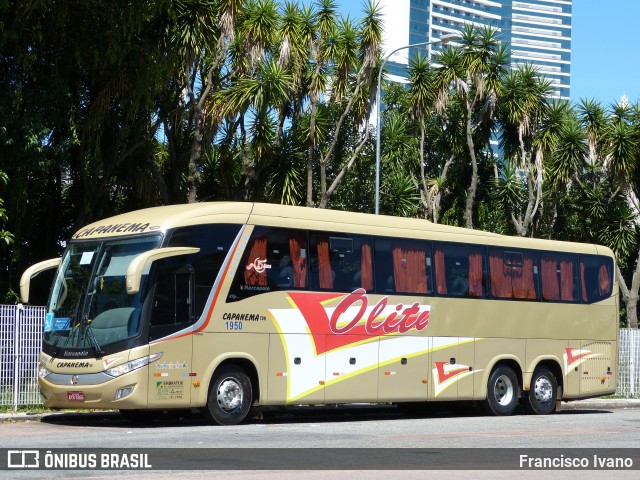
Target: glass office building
539 31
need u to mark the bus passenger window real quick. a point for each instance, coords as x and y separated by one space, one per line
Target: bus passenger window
513 274
460 271
558 275
596 273
340 263
274 259
403 266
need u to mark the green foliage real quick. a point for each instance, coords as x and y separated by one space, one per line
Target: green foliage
112 106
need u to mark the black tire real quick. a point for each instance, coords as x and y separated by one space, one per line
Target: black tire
230 396
542 396
502 392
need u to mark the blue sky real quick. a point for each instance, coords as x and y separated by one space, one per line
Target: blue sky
605 56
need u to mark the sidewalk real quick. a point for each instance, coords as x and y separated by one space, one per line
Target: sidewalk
590 404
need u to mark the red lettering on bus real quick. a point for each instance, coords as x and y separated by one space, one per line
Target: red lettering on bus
343 328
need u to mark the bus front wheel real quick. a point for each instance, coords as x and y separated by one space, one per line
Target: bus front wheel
229 396
541 399
502 392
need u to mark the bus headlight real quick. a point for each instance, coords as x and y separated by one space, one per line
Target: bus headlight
43 371
132 365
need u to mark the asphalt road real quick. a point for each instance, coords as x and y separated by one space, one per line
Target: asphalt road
447 430
355 427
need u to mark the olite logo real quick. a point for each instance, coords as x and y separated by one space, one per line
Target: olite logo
352 318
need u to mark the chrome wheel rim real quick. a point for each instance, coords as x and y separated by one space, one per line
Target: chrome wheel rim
503 390
229 394
543 390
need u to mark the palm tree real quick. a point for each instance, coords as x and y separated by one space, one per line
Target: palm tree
360 93
320 31
474 70
199 35
421 99
522 106
593 117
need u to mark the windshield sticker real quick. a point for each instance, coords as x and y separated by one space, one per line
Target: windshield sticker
61 323
86 258
48 322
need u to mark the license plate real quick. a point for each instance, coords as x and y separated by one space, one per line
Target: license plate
75 396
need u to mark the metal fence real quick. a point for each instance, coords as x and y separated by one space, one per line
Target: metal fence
20 342
629 363
21 339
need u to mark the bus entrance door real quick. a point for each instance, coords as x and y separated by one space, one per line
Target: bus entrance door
171 312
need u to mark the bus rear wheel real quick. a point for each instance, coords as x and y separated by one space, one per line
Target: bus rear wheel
229 396
502 392
541 399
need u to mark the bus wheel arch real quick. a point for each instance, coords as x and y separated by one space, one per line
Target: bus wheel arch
232 391
545 388
504 385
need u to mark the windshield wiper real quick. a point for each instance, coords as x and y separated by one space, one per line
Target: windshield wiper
88 332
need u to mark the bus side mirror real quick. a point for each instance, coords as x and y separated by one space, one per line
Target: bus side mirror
32 271
139 263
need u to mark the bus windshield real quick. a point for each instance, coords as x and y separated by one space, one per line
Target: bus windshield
89 306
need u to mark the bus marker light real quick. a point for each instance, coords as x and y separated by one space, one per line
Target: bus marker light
281 374
526 387
336 374
196 384
603 379
424 380
321 382
193 374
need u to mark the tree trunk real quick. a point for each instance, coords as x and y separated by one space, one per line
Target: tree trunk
630 296
473 187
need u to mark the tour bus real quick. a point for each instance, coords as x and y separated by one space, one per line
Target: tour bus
226 307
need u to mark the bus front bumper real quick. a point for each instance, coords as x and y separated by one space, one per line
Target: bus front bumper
98 390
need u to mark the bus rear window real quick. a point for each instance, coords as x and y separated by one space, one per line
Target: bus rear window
596 277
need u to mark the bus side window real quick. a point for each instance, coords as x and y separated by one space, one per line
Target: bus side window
214 242
340 263
513 274
558 276
403 266
274 259
460 270
596 273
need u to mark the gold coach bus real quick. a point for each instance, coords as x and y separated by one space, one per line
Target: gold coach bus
225 306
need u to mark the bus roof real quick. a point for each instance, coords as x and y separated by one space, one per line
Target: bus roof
161 219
